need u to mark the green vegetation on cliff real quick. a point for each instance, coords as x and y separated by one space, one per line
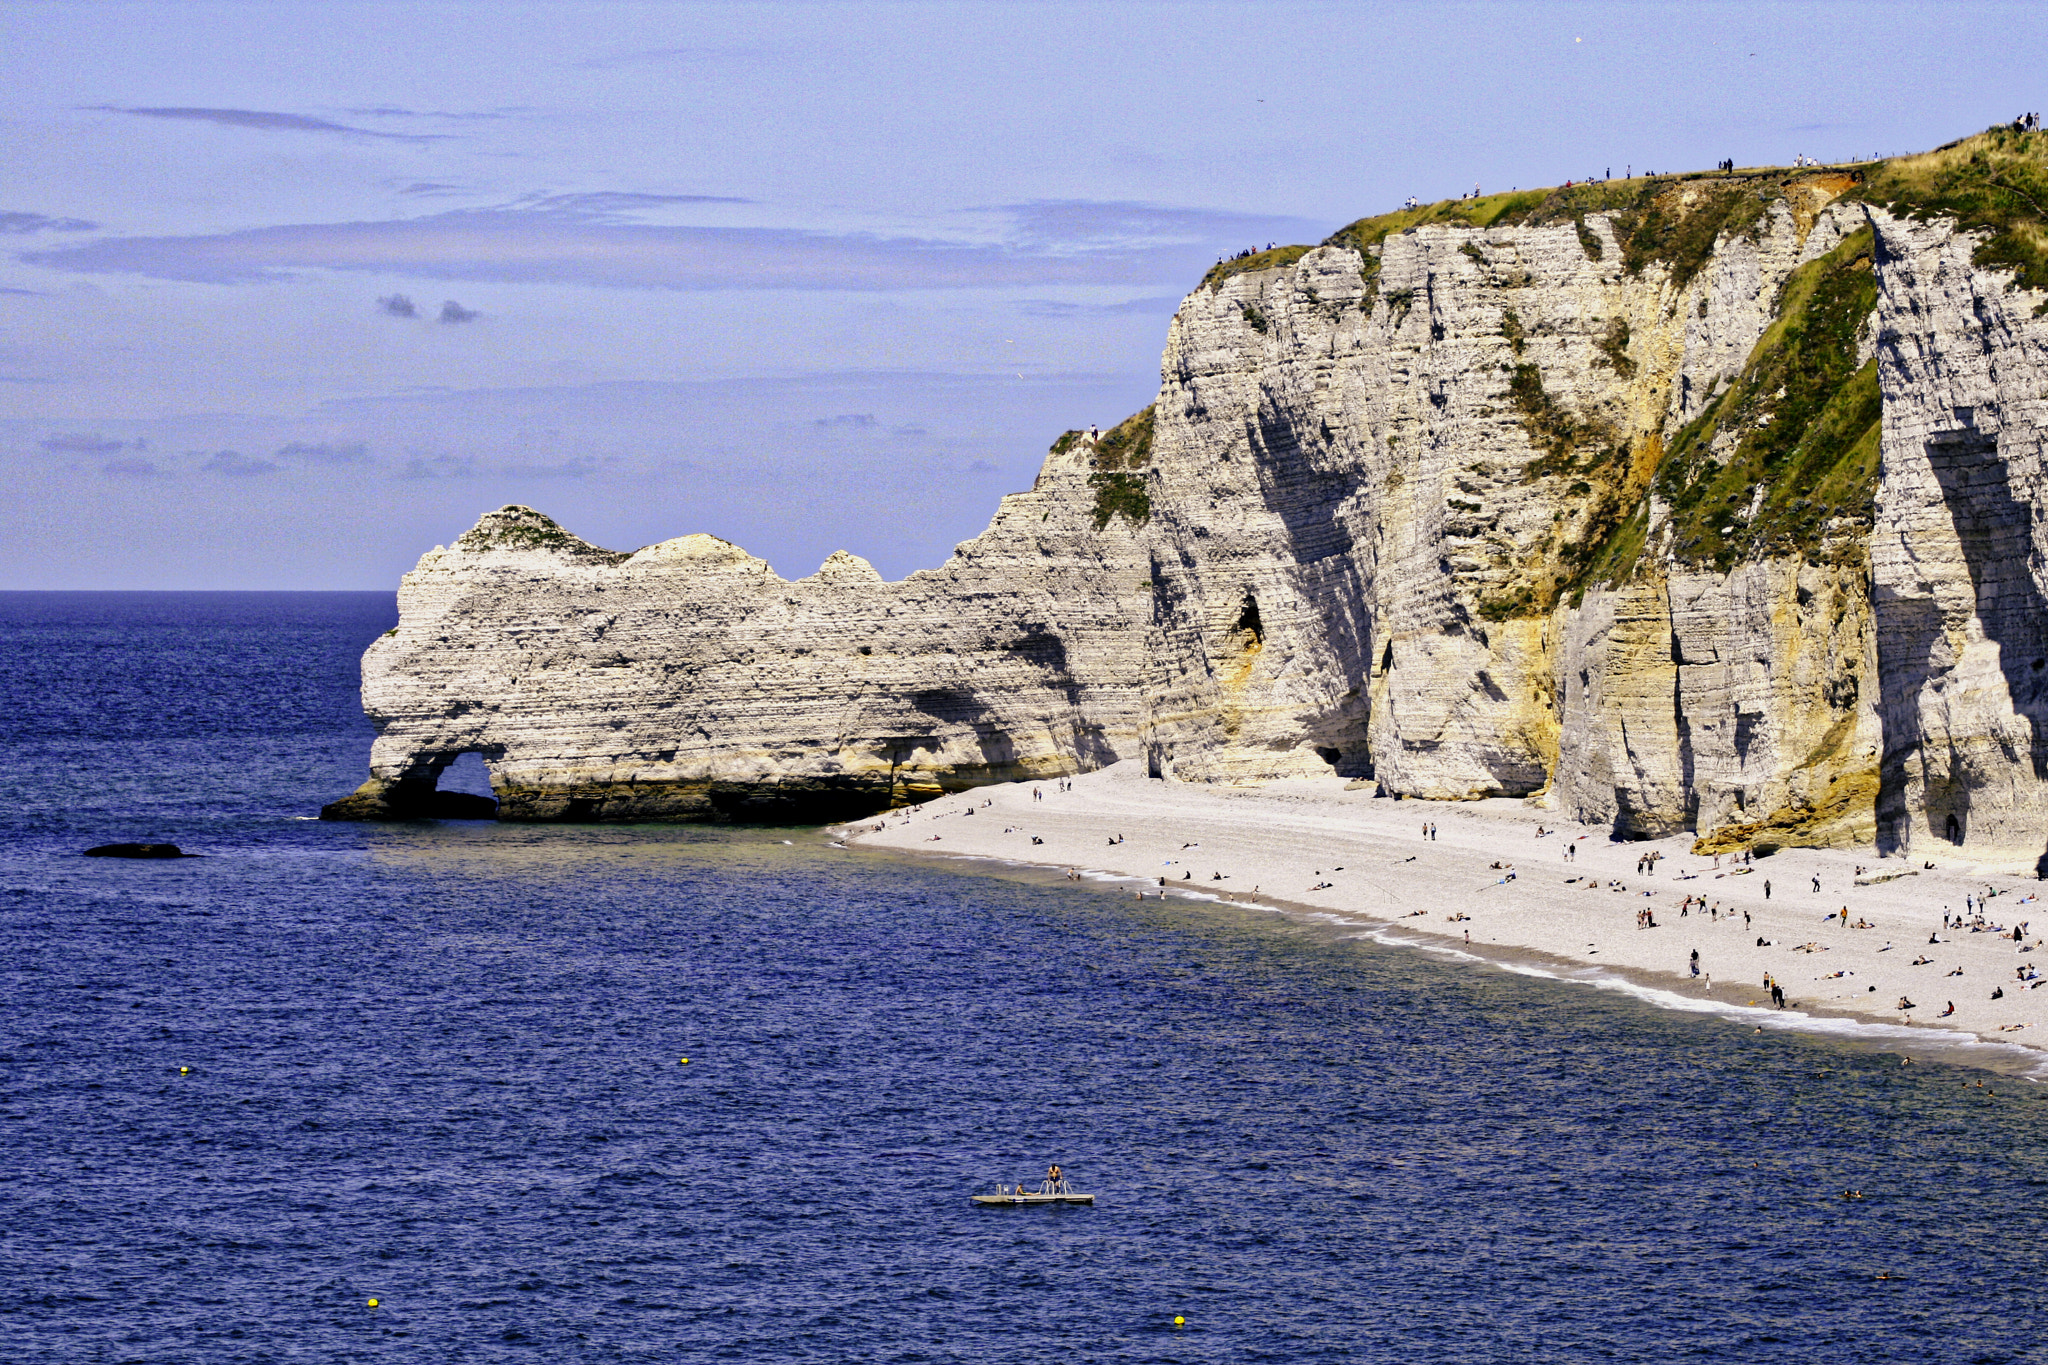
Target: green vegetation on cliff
1674 220
514 527
1122 456
1787 455
1996 181
1258 260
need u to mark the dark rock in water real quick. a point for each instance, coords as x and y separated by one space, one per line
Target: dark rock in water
378 800
137 851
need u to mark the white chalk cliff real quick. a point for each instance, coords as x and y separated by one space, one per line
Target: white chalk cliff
1710 503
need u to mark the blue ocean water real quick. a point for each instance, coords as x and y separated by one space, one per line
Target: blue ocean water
438 1065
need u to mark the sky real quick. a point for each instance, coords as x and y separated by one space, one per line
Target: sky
291 293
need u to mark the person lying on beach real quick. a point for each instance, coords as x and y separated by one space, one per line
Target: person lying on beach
1922 961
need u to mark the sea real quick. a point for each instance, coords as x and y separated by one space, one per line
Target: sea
440 1066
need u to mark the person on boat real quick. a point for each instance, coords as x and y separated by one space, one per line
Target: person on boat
1054 1175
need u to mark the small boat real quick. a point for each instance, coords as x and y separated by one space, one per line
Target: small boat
1062 1193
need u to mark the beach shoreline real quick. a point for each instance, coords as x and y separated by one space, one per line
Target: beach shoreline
1320 850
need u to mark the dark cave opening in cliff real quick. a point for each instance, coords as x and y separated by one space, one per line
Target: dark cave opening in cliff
1248 622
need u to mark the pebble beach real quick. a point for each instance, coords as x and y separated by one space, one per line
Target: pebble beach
1505 881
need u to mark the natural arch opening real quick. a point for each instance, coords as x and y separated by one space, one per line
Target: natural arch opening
468 774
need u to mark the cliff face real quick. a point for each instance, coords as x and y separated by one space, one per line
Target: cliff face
688 681
1703 504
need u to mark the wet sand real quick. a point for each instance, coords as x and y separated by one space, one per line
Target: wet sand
1312 847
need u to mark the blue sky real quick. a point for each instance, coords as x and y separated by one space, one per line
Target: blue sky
291 292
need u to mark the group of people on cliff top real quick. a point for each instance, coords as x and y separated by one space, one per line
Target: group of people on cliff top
1246 254
2026 123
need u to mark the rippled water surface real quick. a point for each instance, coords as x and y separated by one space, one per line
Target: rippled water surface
438 1065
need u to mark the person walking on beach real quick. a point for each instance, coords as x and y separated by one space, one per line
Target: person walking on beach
1695 962
1767 896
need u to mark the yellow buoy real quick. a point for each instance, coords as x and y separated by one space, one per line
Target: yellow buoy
184 1071
684 1062
373 1303
1179 1321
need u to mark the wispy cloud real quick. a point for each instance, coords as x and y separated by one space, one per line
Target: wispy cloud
581 467
612 206
396 111
326 452
236 465
579 239
80 443
21 224
439 467
1155 305
681 55
266 120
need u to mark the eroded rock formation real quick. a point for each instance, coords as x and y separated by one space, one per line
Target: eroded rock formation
1712 503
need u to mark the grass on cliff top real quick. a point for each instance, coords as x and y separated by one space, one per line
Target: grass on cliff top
1996 181
1258 260
1801 425
1670 219
514 527
1121 457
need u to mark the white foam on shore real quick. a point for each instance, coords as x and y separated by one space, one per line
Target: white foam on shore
1954 1044
1946 1044
1290 834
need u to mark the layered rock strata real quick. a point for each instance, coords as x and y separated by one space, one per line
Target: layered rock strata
687 680
1719 512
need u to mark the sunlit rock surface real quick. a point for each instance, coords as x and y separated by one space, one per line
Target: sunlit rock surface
1405 509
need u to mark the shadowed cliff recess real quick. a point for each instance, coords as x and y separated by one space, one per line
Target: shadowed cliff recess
1687 503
